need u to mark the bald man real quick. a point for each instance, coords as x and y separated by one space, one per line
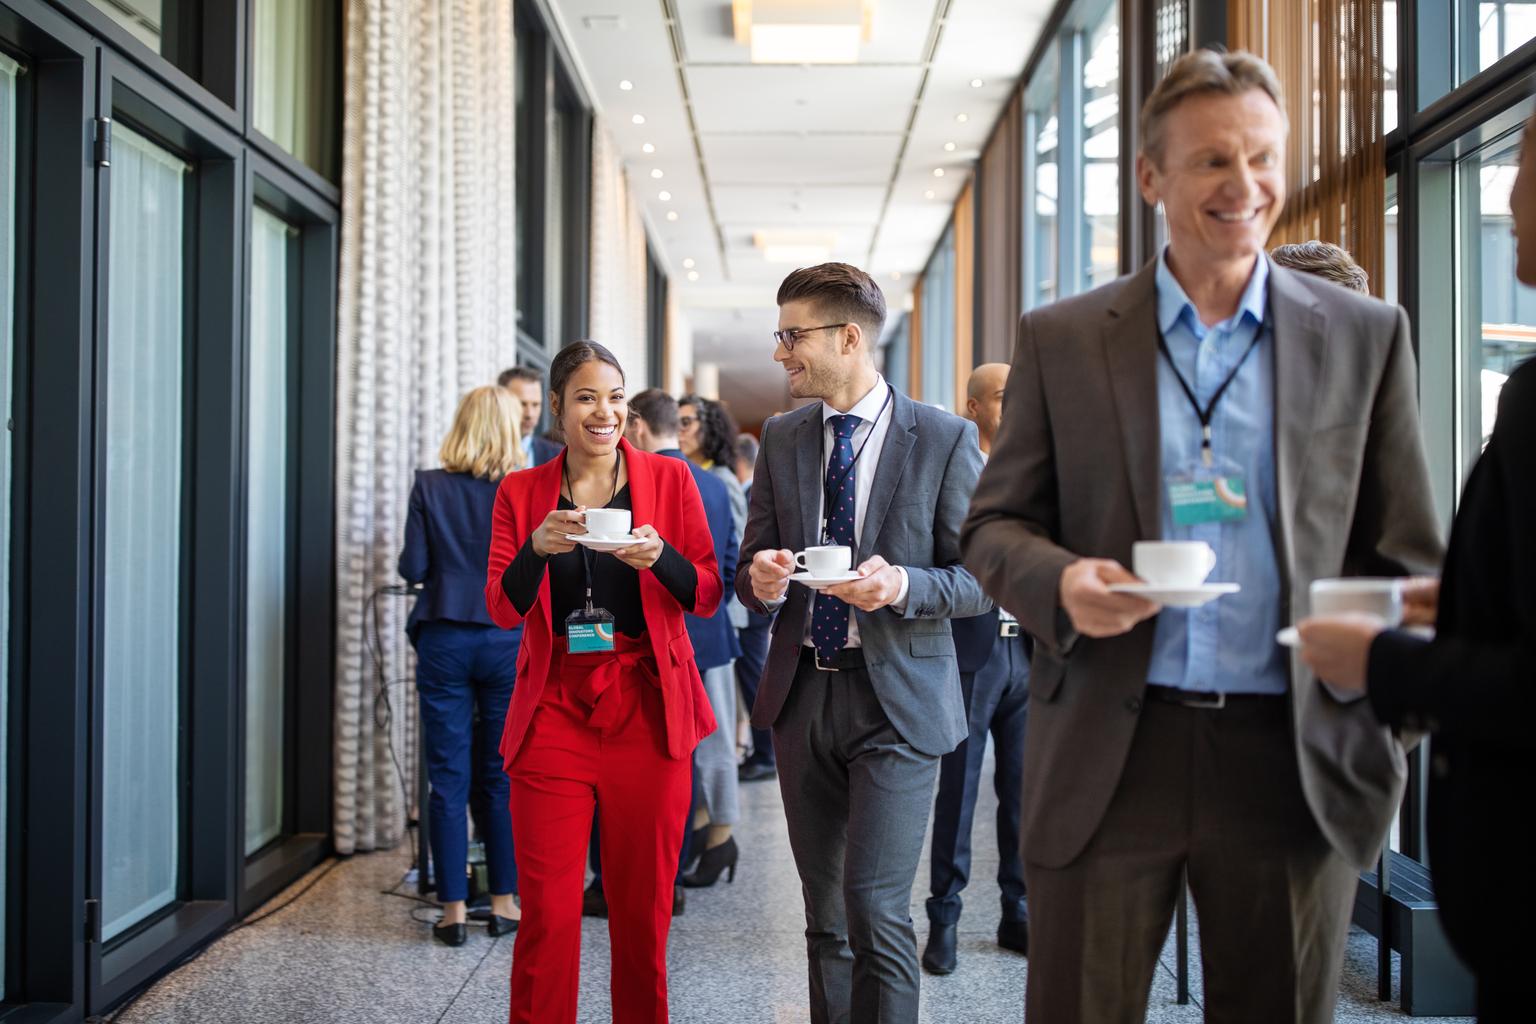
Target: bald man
993 658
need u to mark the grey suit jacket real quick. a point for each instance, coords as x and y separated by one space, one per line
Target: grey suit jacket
927 470
1076 473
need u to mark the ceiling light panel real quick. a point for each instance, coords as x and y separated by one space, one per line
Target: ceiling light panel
852 100
899 30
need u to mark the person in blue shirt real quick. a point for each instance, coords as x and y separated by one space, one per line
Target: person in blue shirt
527 386
464 664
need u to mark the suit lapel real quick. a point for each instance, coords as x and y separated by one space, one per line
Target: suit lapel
899 437
1298 356
1130 352
808 476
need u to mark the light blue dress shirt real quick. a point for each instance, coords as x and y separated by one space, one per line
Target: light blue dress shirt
1228 644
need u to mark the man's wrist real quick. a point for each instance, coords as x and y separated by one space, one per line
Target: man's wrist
899 602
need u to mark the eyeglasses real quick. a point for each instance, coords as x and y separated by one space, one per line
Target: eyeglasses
687 421
790 338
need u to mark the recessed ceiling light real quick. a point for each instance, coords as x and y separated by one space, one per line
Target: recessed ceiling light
671 215
647 148
655 172
976 83
688 263
627 85
938 172
928 194
693 275
664 196
638 119
949 147
959 118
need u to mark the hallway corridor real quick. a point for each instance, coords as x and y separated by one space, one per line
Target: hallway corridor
347 953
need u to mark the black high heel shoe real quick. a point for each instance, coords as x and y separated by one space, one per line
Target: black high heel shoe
451 934
712 862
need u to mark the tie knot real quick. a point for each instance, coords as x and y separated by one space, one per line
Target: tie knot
844 426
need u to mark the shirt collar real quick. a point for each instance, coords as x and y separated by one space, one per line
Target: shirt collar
1173 303
866 408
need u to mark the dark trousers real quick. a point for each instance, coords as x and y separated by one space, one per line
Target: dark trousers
464 677
1216 792
856 802
754 637
997 701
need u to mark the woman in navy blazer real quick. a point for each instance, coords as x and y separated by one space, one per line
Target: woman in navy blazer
463 661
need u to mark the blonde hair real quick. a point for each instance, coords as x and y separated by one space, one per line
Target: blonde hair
484 441
1202 72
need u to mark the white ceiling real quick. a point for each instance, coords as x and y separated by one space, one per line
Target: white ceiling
845 151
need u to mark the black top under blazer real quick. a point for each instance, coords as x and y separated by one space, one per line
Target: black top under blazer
447 543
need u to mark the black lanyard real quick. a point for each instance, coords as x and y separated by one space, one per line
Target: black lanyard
828 491
587 557
1206 414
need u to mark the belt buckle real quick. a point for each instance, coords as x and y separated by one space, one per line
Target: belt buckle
1008 629
1204 704
819 666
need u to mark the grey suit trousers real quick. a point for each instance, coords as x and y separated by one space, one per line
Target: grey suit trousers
856 799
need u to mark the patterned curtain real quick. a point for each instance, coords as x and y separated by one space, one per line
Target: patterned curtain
426 312
618 262
1328 56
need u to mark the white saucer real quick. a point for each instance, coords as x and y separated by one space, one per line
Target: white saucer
822 582
1176 597
1288 637
606 543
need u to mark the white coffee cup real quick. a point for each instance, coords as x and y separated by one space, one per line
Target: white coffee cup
1370 595
823 562
608 522
1173 563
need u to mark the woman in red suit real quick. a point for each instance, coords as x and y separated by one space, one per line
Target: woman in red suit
609 704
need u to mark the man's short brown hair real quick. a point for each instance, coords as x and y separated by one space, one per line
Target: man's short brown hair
658 409
843 293
1203 72
1326 260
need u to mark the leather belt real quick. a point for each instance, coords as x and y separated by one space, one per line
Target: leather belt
1208 700
847 659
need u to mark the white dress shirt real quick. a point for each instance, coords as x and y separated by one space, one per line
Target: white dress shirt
870 433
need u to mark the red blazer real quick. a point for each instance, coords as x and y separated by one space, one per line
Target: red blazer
662 494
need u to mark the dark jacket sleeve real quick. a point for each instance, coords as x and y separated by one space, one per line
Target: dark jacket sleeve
415 558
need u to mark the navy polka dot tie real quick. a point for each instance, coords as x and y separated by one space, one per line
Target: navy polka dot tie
829 616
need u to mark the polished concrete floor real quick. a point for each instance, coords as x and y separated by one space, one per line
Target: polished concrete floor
348 951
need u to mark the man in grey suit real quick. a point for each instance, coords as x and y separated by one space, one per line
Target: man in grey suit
860 688
1160 739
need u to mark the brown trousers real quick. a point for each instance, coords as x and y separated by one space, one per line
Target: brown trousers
1216 791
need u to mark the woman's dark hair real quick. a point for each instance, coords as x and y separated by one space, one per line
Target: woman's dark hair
574 356
717 431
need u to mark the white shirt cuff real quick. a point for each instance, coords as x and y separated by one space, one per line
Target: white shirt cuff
900 604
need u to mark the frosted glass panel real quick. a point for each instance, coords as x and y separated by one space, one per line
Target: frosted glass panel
266 559
7 304
141 547
294 55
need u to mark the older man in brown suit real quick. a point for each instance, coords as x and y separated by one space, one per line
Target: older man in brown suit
1166 739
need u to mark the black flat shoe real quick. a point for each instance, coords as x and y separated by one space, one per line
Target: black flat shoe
498 925
756 771
712 862
1014 935
451 934
939 955
679 901
593 902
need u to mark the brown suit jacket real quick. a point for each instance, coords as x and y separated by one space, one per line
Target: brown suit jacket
1075 472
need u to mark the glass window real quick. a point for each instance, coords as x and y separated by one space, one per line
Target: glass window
296 51
8 70
267 533
1499 330
1100 133
938 337
1390 99
1042 141
1485 33
169 27
142 542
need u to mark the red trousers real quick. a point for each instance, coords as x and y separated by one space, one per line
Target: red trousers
597 736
